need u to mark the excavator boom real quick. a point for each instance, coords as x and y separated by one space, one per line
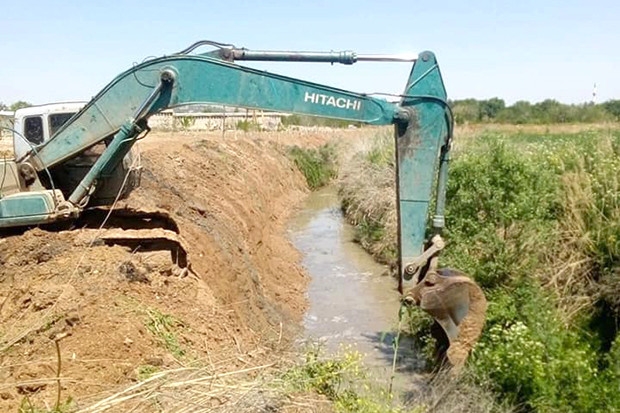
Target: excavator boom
205 80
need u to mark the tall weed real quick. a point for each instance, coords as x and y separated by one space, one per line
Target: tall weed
535 219
317 165
367 190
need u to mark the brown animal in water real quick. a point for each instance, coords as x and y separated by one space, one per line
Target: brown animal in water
458 305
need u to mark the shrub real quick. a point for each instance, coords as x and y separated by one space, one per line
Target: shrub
511 212
317 165
535 219
501 210
531 359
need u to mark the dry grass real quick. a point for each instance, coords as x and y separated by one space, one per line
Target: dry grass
563 128
256 387
266 388
366 185
590 231
569 275
464 135
447 393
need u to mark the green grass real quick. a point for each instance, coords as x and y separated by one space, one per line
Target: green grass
535 220
145 371
317 165
26 406
247 126
347 383
341 378
164 328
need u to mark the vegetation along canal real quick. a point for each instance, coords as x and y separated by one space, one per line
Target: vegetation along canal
351 300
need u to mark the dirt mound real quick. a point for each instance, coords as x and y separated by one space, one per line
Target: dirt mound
122 311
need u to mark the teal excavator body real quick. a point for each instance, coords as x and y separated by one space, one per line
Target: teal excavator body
34 192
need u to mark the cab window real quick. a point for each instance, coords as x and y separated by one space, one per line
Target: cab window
57 120
33 129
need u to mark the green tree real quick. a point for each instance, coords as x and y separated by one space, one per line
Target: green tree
520 112
466 111
591 113
489 109
550 111
613 108
3 106
19 105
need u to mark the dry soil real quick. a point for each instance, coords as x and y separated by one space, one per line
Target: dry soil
232 282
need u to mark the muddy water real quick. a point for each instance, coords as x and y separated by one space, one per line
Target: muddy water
352 301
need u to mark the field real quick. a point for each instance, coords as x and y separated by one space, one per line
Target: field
533 215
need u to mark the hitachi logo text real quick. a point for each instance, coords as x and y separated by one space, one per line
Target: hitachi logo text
328 100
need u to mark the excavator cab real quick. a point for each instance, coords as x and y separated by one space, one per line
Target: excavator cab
36 125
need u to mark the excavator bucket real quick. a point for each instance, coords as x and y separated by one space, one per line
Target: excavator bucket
458 306
423 140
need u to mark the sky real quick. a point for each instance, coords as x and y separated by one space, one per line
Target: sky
60 50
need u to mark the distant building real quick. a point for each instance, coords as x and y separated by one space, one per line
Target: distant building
212 121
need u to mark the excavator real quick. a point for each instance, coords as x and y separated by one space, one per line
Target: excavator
69 158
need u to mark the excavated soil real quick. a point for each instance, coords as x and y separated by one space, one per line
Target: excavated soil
228 282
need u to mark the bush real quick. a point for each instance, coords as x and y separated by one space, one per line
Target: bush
532 360
317 165
502 207
511 212
535 220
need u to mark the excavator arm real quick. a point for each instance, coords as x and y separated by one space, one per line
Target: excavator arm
119 114
421 118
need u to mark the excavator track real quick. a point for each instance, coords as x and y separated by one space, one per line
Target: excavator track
127 218
138 229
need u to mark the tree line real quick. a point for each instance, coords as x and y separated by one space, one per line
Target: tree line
521 112
495 110
15 105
